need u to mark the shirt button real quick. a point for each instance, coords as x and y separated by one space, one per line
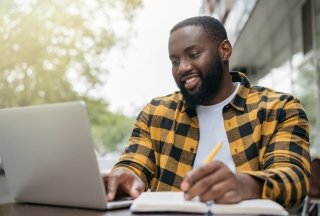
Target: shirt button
192 150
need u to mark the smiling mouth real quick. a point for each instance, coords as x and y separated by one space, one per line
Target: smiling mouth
191 82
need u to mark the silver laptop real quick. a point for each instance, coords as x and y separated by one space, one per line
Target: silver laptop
48 156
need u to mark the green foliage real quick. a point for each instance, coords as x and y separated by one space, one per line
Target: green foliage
54 51
108 129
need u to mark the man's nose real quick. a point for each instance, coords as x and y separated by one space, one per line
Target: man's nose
184 66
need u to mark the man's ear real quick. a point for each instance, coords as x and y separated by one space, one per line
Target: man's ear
225 50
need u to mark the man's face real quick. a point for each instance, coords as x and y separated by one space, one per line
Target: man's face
196 65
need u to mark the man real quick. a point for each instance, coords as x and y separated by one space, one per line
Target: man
265 151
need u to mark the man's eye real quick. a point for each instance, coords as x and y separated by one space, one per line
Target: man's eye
175 62
194 54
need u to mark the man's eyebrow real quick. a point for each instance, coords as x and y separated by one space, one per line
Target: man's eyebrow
185 50
172 56
190 48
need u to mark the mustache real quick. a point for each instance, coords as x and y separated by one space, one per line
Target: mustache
211 78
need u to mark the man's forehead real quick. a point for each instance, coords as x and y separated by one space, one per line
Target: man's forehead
188 32
188 35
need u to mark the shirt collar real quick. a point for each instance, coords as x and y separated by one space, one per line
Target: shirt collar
239 101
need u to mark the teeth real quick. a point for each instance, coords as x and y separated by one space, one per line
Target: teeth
190 80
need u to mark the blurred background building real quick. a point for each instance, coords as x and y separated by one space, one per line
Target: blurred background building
277 44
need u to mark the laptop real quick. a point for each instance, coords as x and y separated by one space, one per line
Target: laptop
48 157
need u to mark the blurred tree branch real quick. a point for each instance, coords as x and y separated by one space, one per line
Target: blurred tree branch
56 50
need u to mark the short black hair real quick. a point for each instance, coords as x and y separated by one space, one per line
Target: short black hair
212 27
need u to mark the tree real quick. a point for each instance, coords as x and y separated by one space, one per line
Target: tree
108 129
57 50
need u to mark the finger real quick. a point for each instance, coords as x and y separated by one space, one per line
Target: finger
193 176
105 181
231 196
131 185
112 186
184 186
215 192
137 189
203 185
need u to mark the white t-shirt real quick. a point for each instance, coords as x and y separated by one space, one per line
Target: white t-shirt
212 131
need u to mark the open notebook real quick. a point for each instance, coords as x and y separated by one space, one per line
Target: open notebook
174 202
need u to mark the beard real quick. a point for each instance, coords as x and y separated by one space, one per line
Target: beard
211 81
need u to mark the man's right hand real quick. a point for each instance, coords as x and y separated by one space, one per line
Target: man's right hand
123 182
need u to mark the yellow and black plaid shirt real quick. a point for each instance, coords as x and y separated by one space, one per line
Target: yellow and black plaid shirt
267 132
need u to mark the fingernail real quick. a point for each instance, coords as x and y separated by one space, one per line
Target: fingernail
182 186
110 197
134 193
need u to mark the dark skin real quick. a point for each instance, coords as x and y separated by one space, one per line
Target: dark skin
191 52
122 182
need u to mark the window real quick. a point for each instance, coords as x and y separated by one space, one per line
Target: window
307 27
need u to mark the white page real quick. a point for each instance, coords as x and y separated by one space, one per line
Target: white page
175 202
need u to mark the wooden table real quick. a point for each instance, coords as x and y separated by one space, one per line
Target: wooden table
34 210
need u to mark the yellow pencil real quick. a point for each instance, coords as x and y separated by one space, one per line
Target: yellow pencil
213 153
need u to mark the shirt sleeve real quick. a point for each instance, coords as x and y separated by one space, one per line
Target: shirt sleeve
285 167
138 156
